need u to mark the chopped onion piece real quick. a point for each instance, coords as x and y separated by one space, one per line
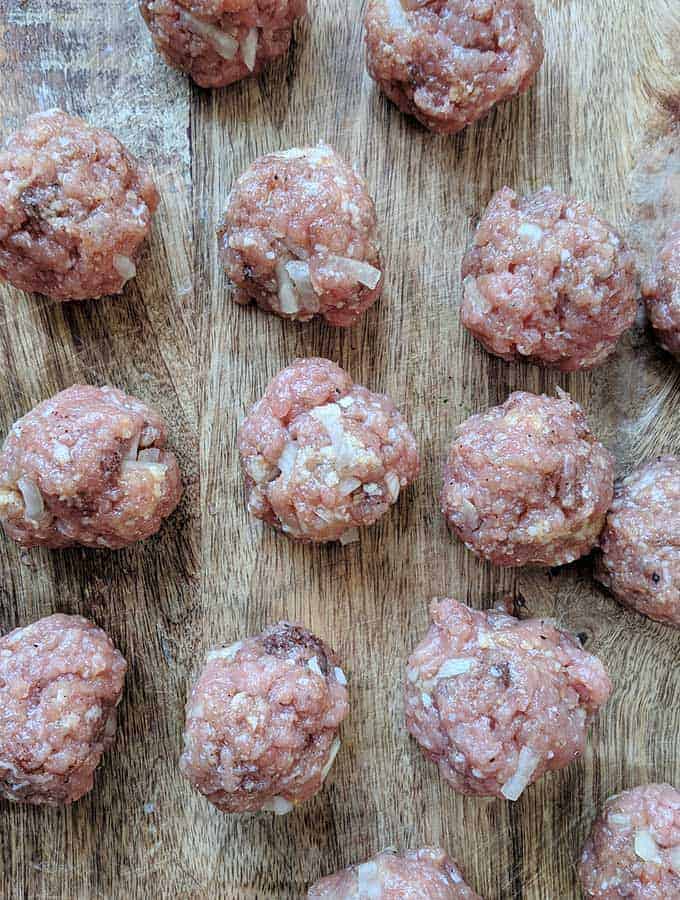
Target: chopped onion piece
278 805
618 819
340 676
335 746
526 766
330 417
152 454
675 859
393 485
249 48
293 153
368 881
347 485
357 270
130 466
455 667
224 44
124 266
646 847
33 501
298 270
530 231
287 459
287 294
133 449
225 652
351 536
313 664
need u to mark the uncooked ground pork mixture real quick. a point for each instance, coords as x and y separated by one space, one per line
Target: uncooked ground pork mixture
87 467
496 702
75 208
661 289
299 237
448 62
527 483
218 42
634 847
323 456
548 281
61 680
262 721
425 874
640 559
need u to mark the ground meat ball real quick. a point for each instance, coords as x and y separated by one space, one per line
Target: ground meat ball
218 42
61 680
448 62
497 702
640 560
548 281
299 237
662 293
262 721
87 467
527 483
426 874
322 456
634 847
75 207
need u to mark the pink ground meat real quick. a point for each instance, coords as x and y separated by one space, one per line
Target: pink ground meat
87 467
300 239
75 208
425 874
448 62
262 721
61 680
527 483
661 289
322 456
640 559
548 281
218 42
497 702
634 847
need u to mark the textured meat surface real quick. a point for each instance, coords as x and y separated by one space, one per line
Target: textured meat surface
299 237
262 721
87 467
496 702
75 207
634 847
547 280
322 456
61 679
218 42
527 483
661 290
448 62
640 559
425 874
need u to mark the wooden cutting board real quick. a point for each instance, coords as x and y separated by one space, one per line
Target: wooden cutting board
176 340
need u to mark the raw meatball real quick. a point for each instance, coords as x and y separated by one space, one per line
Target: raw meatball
262 721
426 874
548 281
75 207
322 456
662 293
448 62
640 560
299 237
218 42
634 847
527 483
87 467
497 702
61 680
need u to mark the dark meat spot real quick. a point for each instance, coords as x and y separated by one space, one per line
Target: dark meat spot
248 273
583 637
656 578
285 640
110 463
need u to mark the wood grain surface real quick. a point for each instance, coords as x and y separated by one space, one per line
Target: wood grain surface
176 340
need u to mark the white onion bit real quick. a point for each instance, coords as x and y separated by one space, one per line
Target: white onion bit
33 501
249 48
368 881
335 746
526 766
357 270
675 859
646 847
288 297
124 266
455 667
298 270
278 805
340 676
313 664
224 44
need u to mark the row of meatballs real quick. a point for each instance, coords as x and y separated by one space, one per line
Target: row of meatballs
494 701
525 483
545 280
